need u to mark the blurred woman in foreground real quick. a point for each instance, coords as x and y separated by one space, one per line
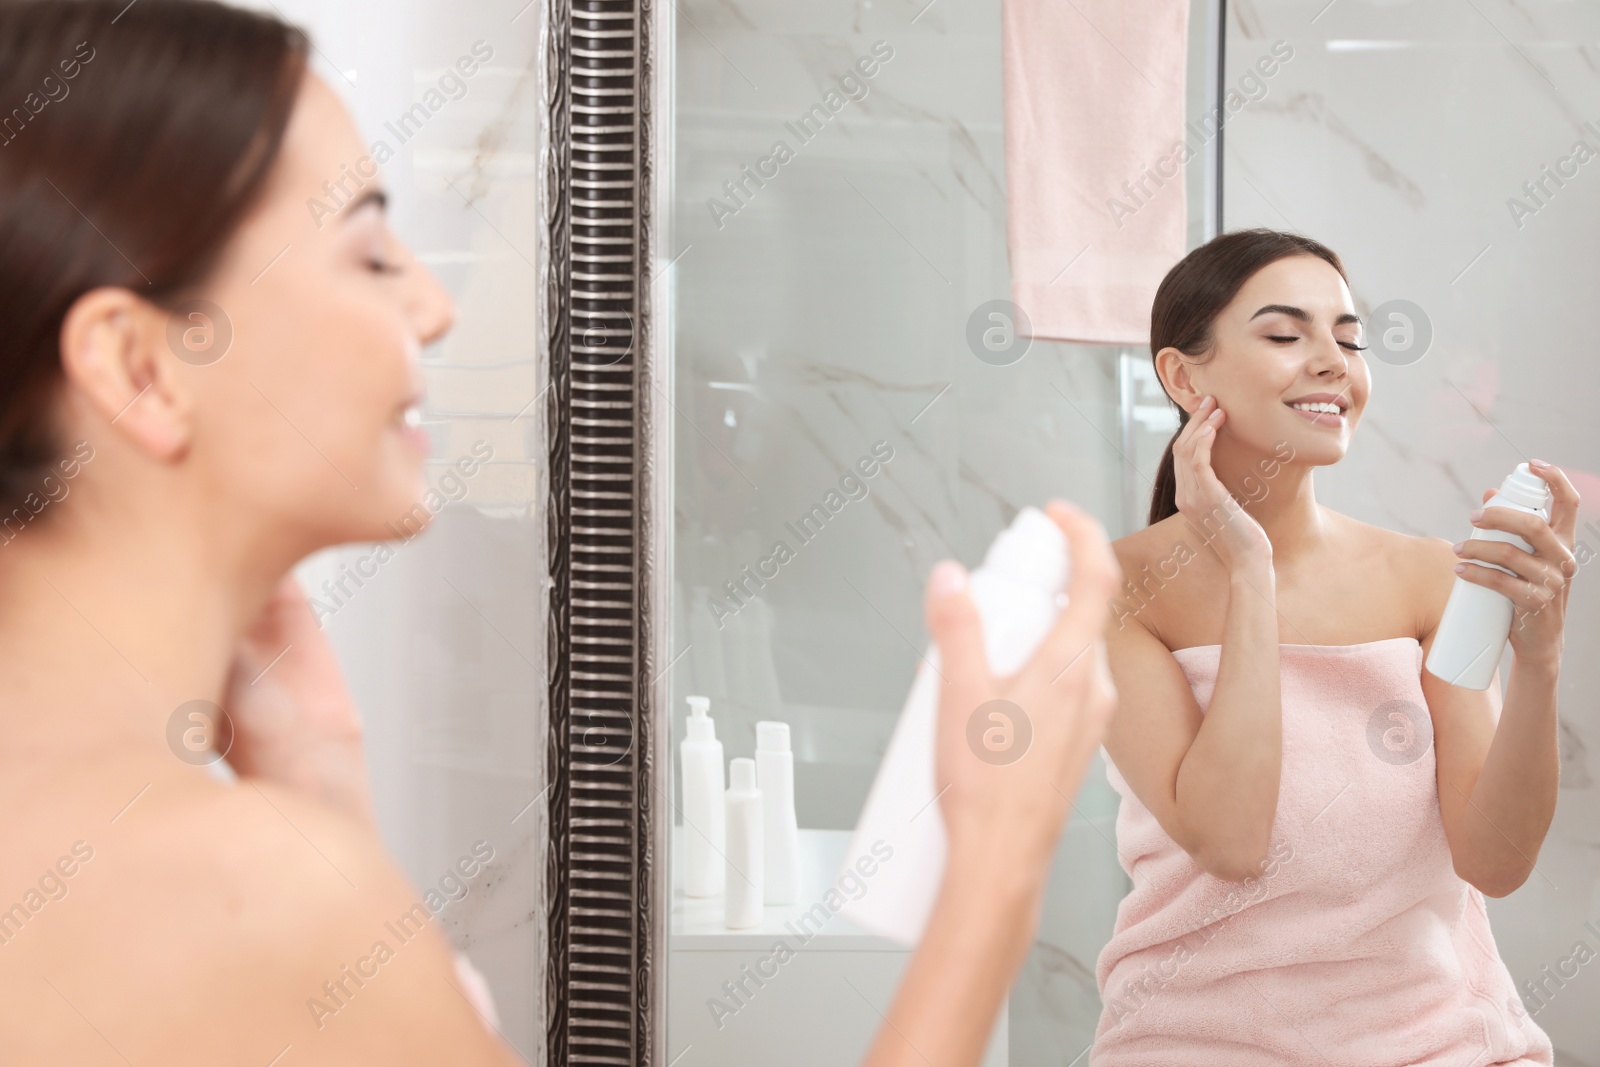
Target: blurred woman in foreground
155 495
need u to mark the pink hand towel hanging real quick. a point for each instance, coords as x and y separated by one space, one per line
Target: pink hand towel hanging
1094 114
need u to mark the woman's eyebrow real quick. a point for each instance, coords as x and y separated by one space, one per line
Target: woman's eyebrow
1303 315
371 196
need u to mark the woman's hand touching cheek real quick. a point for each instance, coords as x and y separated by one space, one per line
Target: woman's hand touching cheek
293 719
1205 502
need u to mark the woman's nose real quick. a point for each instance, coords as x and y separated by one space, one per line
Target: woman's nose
432 308
1330 357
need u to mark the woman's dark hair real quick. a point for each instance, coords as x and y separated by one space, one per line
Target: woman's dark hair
133 138
1187 304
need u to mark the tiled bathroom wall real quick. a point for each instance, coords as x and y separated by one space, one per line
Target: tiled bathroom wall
1405 135
443 641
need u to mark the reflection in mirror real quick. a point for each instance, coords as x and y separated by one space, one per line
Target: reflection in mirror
856 402
874 373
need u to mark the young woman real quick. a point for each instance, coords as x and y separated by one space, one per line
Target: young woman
164 463
1310 819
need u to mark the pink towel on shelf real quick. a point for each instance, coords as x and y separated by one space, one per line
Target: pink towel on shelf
1094 117
1357 944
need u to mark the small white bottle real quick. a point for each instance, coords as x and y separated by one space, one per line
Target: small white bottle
742 905
1476 623
703 804
1018 593
775 779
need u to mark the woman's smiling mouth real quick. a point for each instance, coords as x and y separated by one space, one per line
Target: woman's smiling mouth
1324 409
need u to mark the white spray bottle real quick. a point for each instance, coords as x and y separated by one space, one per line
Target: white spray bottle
1476 623
1018 593
703 804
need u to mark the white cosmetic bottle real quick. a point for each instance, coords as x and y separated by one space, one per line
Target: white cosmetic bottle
744 899
1018 593
775 779
1476 623
703 803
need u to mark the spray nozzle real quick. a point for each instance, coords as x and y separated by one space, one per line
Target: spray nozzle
1526 488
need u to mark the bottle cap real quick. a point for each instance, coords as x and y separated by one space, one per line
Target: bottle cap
772 736
1032 550
701 727
742 772
1526 488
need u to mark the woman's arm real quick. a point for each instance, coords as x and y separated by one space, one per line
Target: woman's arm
1211 780
1226 787
1499 768
1003 821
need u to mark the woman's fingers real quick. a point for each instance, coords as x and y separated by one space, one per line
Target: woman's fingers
1524 564
1204 440
1209 495
1564 501
1532 529
1095 578
1530 596
953 621
1204 417
1186 436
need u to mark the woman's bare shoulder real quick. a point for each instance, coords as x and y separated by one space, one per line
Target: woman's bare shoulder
1419 568
1407 554
255 910
1166 570
1155 546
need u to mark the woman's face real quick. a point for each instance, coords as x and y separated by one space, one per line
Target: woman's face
303 420
1290 335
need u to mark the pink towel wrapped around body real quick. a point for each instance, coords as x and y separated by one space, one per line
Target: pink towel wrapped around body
1358 944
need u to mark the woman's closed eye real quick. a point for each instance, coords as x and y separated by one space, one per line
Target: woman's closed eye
1282 340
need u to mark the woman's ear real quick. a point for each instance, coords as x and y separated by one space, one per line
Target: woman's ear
115 359
1174 372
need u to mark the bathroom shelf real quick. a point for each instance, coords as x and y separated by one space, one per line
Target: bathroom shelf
697 922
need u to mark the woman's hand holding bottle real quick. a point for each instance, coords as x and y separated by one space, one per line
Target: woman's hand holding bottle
1064 691
1003 818
1540 581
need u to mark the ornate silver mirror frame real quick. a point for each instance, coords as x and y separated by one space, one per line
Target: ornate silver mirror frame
606 872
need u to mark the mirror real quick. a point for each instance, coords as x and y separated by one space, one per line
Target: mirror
843 408
837 238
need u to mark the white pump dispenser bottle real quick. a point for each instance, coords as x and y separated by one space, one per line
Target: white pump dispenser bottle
703 806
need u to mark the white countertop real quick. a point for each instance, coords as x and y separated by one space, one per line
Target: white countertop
697 923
